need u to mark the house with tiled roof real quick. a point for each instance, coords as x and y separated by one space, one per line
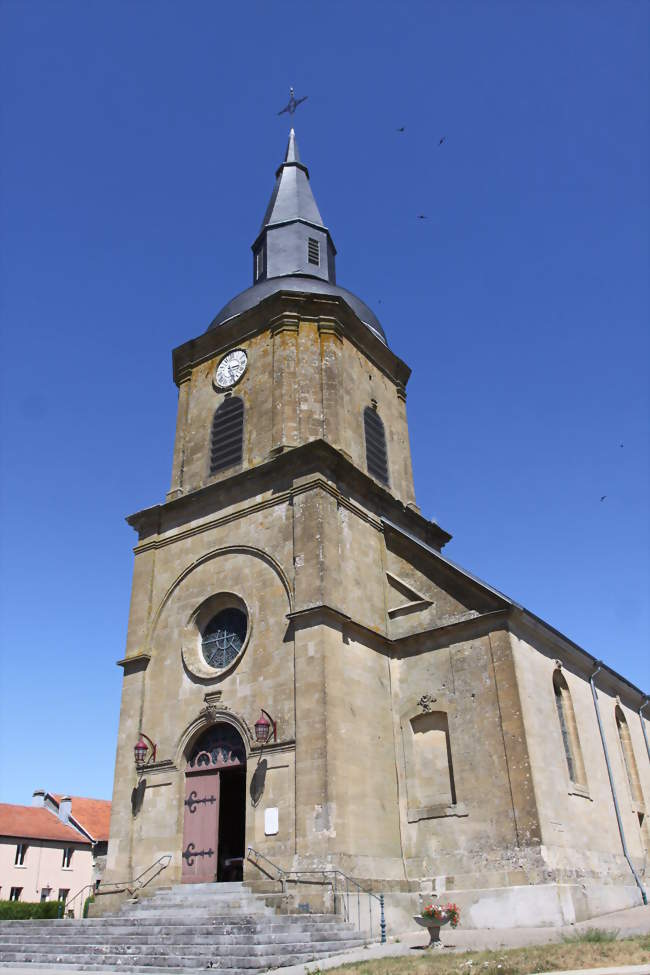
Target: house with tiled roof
53 848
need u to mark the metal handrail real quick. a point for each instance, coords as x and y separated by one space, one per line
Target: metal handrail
117 886
292 876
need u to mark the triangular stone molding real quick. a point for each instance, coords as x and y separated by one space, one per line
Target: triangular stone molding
412 601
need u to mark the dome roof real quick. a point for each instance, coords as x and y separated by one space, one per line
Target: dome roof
309 285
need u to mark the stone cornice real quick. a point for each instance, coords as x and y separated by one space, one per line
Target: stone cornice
281 310
458 629
329 468
273 748
514 618
135 663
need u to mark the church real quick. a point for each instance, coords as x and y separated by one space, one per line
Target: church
311 684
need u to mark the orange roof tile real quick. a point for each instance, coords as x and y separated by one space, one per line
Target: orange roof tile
36 823
93 814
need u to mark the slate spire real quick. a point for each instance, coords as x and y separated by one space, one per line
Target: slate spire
293 238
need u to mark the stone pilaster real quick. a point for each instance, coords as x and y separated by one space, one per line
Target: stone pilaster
284 335
524 804
331 350
178 464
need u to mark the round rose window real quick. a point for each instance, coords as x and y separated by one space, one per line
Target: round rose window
223 637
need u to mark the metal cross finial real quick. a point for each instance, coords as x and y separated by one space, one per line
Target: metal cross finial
293 103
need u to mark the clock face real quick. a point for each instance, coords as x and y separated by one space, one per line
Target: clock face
231 369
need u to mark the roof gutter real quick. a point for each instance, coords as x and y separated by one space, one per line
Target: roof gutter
599 667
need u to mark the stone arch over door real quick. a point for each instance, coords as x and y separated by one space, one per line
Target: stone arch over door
214 813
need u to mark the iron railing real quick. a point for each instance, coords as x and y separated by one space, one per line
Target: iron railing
69 907
345 890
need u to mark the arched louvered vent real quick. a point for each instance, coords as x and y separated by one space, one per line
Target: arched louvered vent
226 444
376 457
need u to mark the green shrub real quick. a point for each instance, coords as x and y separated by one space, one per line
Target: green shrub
26 910
88 901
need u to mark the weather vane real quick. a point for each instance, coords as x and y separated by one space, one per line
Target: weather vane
293 103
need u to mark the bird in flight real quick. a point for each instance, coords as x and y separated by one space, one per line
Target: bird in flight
442 140
422 216
293 103
402 129
603 497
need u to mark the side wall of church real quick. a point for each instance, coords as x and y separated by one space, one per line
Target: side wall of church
578 820
476 819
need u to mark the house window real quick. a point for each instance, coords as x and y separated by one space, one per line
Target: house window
313 251
569 730
21 850
15 893
227 439
67 857
63 894
376 456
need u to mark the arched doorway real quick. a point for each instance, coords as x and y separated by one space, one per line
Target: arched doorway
215 807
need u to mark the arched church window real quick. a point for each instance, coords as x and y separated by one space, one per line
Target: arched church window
628 757
376 455
569 730
223 637
227 440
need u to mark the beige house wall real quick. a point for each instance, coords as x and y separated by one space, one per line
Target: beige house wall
43 868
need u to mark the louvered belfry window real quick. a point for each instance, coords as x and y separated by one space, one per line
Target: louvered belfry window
376 457
226 444
313 251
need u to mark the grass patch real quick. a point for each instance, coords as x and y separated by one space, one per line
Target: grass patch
592 936
586 951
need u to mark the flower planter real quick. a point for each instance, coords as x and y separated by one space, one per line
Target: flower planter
433 925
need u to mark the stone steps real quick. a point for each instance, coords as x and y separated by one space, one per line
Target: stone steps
181 929
239 952
227 940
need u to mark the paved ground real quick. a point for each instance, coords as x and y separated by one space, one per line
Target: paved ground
636 920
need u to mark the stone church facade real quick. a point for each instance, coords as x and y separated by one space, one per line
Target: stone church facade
425 733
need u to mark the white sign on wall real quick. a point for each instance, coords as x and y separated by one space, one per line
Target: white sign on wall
271 821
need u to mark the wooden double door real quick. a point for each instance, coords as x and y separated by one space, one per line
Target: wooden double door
214 816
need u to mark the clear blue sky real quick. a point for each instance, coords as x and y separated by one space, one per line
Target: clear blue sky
139 145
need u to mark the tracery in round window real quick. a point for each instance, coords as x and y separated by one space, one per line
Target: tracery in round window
223 637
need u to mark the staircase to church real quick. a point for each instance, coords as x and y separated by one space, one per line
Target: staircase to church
181 929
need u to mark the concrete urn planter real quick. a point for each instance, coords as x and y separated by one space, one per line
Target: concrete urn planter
433 925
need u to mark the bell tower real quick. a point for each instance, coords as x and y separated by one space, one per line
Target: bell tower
292 360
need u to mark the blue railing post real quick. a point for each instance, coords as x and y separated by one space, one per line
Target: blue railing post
382 919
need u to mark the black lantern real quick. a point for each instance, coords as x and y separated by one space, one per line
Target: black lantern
263 728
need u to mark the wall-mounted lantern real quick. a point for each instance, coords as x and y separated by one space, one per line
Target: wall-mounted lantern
140 750
264 727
